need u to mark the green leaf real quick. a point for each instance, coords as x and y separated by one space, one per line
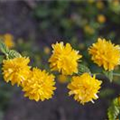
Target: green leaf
1 58
12 54
3 48
109 74
114 109
82 69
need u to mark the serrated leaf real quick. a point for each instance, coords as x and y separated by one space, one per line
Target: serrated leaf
82 69
112 114
3 48
109 74
12 54
114 110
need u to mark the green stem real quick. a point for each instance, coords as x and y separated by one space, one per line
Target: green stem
7 57
116 74
96 73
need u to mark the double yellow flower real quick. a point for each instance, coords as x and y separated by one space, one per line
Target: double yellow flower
40 85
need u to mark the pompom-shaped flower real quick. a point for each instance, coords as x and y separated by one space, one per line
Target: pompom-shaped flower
64 59
39 86
16 70
84 88
105 54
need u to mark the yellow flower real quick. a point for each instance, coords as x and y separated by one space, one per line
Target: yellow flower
8 40
39 86
64 59
88 29
101 18
16 70
62 79
84 88
46 50
105 54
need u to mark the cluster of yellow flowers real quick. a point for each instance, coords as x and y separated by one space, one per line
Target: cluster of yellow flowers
37 84
40 85
65 60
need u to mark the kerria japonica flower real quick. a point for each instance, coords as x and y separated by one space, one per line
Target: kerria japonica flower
16 70
39 86
84 88
64 59
105 54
